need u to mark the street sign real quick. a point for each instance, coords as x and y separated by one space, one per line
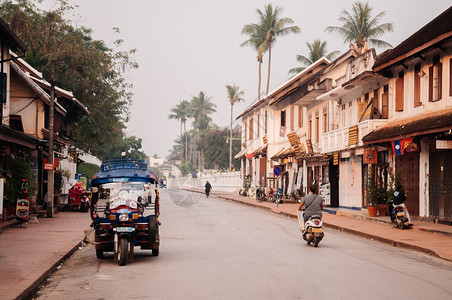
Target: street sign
48 166
277 170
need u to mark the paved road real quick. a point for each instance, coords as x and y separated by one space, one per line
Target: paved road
216 249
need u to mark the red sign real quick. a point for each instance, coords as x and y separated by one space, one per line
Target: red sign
49 166
370 157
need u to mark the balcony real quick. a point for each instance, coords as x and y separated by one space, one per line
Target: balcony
337 140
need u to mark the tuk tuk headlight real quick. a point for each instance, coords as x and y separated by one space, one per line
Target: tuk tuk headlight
124 217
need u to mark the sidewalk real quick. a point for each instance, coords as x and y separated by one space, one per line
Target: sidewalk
28 255
430 238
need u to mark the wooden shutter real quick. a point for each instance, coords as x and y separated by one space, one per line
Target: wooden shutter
292 117
417 85
440 81
399 94
384 106
430 84
251 129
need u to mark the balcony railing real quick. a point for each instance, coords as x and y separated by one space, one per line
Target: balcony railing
337 140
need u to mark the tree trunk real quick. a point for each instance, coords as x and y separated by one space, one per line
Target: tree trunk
269 61
230 141
185 130
260 79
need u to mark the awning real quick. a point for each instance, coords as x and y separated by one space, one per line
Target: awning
261 150
276 155
288 152
241 154
422 124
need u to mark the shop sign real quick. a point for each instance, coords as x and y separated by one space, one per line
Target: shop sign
345 154
443 144
48 166
370 157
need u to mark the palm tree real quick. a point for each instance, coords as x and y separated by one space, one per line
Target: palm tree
256 39
360 28
234 95
181 112
273 25
317 50
200 108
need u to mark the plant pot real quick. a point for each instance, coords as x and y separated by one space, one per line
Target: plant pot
372 211
382 209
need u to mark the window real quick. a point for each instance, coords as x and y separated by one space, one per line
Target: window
283 118
384 103
435 80
258 125
310 126
300 116
417 85
4 83
325 120
375 99
251 129
292 117
399 93
265 123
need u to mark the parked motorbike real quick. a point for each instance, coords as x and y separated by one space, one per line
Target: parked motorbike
23 204
78 199
260 194
313 232
398 217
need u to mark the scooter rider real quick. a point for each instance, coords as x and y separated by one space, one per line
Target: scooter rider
399 199
313 204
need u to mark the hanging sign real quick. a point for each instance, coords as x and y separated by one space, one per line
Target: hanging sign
336 158
370 157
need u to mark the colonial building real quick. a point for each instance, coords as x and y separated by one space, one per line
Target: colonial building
418 133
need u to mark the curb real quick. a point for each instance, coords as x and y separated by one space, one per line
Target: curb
29 291
347 230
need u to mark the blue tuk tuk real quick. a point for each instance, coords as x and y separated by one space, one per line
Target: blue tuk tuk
124 209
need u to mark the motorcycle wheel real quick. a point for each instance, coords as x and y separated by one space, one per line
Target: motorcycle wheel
316 241
99 254
155 252
123 251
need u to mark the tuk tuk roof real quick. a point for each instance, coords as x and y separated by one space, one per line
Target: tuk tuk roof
123 170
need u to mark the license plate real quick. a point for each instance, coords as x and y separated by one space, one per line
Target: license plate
124 229
316 230
400 214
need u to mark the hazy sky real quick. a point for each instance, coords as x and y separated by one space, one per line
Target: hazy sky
188 46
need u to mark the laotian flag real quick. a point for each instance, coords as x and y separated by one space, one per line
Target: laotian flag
397 148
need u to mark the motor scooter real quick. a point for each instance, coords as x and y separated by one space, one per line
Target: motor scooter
313 228
398 217
78 199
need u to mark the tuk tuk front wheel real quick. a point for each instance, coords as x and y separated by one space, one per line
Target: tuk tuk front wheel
99 254
123 251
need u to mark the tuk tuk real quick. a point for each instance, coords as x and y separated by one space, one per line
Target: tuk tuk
124 210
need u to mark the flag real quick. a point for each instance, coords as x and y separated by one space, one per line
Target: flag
406 143
397 148
249 156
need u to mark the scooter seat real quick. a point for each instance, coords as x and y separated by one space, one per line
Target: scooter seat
316 217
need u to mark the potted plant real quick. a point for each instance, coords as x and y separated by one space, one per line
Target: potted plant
382 206
371 192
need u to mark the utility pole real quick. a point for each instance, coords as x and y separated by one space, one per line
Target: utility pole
50 174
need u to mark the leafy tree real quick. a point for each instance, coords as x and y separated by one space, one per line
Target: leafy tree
360 28
92 71
273 26
200 109
212 144
234 95
181 112
130 146
317 50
